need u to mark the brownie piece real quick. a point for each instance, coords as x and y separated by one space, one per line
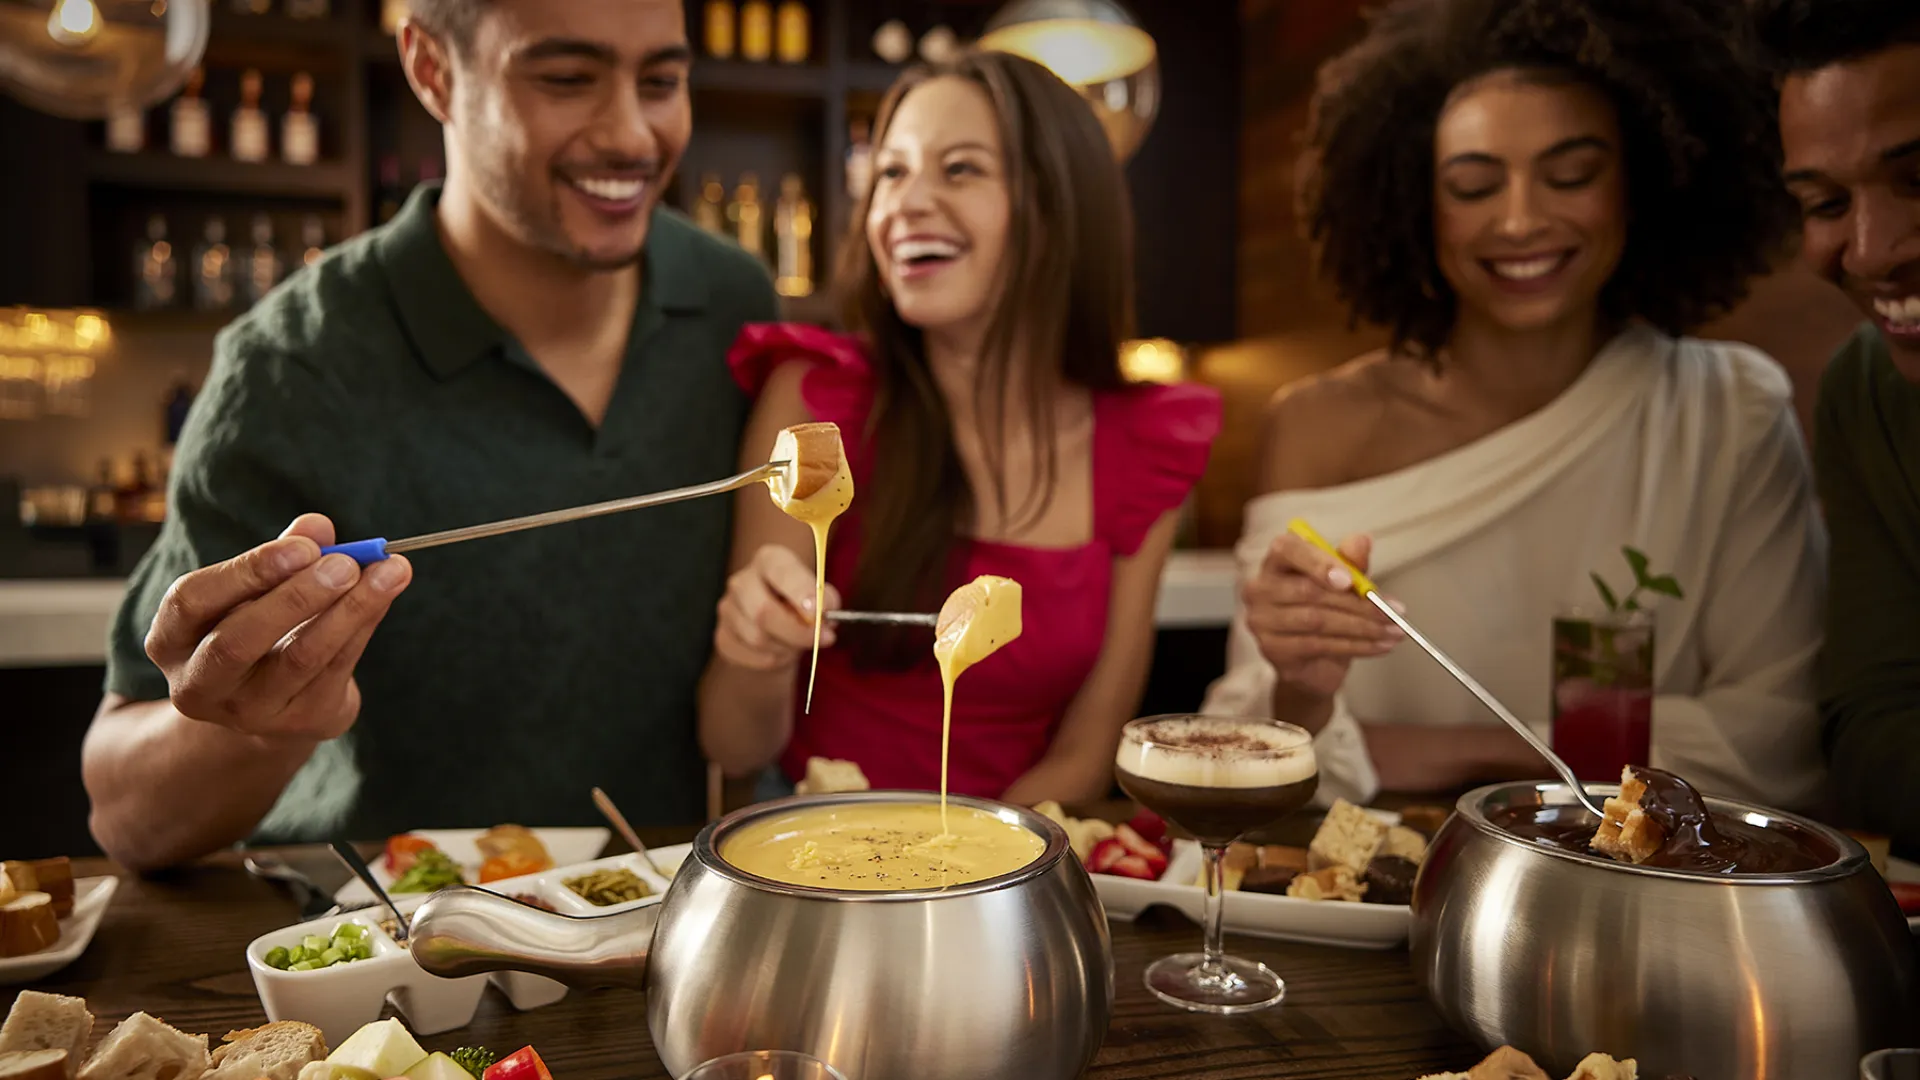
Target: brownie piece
1389 880
1268 879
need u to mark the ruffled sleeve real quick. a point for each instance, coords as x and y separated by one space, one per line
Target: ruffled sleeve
839 388
1153 443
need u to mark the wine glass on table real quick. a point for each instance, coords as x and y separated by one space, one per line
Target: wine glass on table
1218 778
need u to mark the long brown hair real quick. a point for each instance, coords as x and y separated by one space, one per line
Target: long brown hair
1062 307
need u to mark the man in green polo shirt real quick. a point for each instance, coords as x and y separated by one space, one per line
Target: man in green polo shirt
538 333
1850 125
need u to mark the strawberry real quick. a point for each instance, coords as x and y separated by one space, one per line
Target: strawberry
1105 853
1141 848
1134 866
1148 824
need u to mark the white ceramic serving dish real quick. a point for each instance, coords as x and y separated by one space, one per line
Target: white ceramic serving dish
567 847
341 998
90 899
1316 922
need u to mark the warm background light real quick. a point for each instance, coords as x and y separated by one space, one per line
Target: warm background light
1153 360
1096 47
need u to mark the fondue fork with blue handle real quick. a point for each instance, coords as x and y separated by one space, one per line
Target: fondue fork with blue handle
366 552
1365 588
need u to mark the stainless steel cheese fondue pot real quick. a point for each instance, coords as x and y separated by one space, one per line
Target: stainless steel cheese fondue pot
1011 977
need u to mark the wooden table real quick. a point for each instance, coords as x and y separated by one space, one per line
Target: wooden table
173 946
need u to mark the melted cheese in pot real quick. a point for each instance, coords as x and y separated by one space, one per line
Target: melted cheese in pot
879 847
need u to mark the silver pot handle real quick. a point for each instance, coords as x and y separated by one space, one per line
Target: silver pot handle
466 931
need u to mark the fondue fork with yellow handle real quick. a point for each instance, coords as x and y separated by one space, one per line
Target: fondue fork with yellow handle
366 552
1367 591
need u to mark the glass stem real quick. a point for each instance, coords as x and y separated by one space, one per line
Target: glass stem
1213 955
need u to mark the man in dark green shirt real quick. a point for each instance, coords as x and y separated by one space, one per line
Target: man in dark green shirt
1850 126
537 333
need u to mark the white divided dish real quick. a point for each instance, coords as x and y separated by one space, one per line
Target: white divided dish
567 847
90 899
340 999
1340 923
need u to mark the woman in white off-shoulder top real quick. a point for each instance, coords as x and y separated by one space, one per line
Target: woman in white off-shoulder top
1538 409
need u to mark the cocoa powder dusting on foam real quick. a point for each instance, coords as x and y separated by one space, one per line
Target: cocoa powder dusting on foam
1212 740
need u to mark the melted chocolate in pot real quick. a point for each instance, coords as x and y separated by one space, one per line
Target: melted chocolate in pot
1696 838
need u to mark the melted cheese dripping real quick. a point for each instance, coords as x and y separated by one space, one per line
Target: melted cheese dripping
974 623
817 512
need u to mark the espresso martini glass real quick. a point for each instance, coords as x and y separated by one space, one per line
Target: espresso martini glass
1218 778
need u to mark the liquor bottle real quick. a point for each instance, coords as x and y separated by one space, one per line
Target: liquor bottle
251 7
719 29
213 269
313 240
126 129
192 121
745 215
249 123
756 30
309 9
859 157
101 494
391 193
156 273
130 499
793 239
263 262
391 12
792 40
174 409
299 131
710 213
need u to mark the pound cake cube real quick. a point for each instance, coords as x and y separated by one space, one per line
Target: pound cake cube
1627 833
1349 837
1406 843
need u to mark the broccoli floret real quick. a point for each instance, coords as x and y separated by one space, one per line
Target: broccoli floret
474 1059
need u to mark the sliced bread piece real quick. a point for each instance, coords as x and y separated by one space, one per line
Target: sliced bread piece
48 1022
1598 1066
143 1048
28 924
34 1065
276 1051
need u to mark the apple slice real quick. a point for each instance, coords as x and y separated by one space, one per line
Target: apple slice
383 1048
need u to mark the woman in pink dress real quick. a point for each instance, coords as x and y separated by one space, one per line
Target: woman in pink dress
989 431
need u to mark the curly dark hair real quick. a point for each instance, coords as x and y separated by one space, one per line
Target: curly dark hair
1805 35
1701 151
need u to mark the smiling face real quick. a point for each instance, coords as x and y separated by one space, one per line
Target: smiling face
940 212
1851 132
1529 199
569 117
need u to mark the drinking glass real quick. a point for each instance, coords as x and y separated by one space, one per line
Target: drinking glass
1603 692
1901 1064
1218 778
765 1065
